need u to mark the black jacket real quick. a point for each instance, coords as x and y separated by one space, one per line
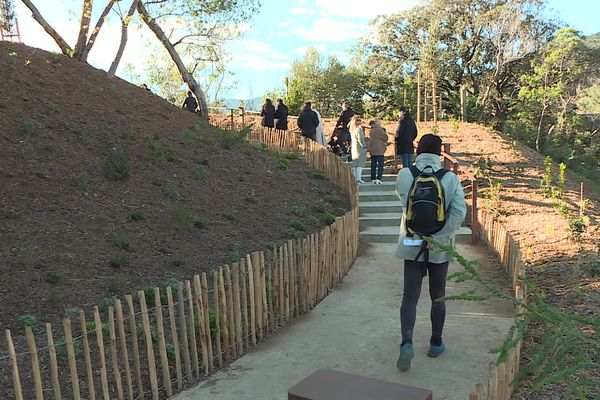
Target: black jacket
308 122
344 119
268 116
281 115
190 104
405 135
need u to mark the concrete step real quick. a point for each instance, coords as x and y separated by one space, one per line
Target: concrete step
380 219
383 195
367 207
390 234
370 187
386 177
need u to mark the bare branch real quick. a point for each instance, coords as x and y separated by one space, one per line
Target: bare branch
99 23
64 47
84 26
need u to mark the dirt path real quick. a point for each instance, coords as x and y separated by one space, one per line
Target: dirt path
356 329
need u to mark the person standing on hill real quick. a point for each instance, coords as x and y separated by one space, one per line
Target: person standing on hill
406 133
281 116
308 121
320 135
358 147
268 115
190 104
377 147
343 124
433 206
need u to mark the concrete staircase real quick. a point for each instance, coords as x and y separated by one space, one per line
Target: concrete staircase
380 210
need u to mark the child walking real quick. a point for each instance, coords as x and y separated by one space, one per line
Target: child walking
379 142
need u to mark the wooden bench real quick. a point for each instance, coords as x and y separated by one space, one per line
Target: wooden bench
329 384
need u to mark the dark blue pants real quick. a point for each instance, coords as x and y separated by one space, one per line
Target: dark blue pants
413 278
406 159
376 167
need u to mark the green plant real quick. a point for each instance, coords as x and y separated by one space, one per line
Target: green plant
52 109
454 125
229 216
492 201
31 127
90 328
577 227
297 211
329 218
52 277
31 257
200 171
178 261
198 223
292 156
320 207
594 268
317 189
230 139
314 221
233 253
116 165
173 192
53 298
297 225
188 135
156 182
119 260
315 174
292 233
547 180
61 348
241 178
121 240
282 163
28 320
84 181
262 147
562 175
106 303
136 215
182 217
333 198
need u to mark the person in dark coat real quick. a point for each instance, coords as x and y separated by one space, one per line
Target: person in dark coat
406 133
308 121
190 104
343 124
281 116
268 114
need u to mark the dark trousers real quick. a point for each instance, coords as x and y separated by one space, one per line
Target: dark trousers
345 141
413 278
406 159
376 167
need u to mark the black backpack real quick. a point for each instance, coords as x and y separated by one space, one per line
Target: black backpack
426 208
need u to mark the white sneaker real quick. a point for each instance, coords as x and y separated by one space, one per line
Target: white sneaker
374 181
360 181
378 181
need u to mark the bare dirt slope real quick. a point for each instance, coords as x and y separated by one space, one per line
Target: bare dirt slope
194 197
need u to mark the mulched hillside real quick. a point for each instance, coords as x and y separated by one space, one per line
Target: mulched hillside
194 197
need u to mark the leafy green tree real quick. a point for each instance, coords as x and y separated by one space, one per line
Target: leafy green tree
7 15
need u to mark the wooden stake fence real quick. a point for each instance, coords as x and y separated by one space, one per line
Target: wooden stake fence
171 337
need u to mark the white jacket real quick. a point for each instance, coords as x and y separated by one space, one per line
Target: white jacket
456 209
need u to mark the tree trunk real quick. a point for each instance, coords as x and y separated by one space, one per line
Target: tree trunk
84 26
124 27
92 39
539 129
64 47
418 97
185 75
434 98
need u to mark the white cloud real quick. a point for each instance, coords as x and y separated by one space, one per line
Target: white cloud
259 63
360 9
302 11
326 29
321 48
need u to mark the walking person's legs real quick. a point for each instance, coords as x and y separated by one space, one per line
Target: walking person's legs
406 159
379 168
413 278
373 168
437 290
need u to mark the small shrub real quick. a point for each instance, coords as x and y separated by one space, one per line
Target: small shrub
231 139
333 198
90 328
53 298
173 192
52 109
52 277
594 268
297 225
200 171
317 189
229 216
188 135
548 180
106 303
30 257
251 199
492 201
116 165
282 163
315 174
122 240
156 182
198 223
241 178
292 233
329 218
136 215
454 125
118 261
562 175
292 156
84 181
320 207
577 227
31 127
314 221
297 211
182 218
28 320
178 261
262 147
233 254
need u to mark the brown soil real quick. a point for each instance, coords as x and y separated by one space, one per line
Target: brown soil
61 218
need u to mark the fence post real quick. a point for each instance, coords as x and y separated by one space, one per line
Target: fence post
243 115
231 119
447 151
474 222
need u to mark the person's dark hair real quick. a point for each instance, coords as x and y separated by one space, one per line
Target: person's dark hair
280 101
268 102
308 104
403 109
189 93
430 143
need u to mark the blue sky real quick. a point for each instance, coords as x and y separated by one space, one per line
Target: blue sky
277 36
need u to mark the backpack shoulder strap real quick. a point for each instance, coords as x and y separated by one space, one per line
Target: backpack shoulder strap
414 171
440 173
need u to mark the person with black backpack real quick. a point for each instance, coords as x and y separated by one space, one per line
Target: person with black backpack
433 203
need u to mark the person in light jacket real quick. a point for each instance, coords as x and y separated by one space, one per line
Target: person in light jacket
358 147
428 155
320 136
377 146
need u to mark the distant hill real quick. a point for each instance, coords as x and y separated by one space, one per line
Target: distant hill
253 104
